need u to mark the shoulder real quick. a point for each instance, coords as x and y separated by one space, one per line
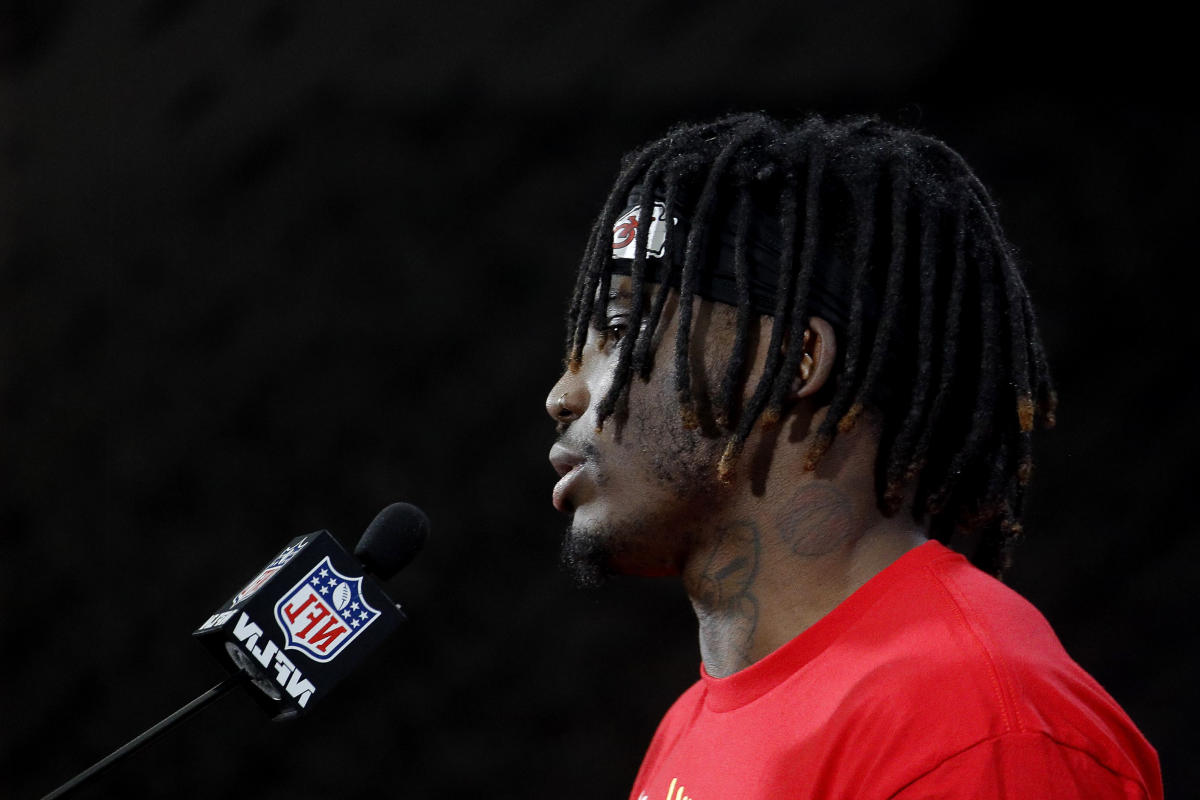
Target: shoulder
1025 766
968 666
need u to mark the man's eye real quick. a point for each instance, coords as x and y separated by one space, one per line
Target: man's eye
614 330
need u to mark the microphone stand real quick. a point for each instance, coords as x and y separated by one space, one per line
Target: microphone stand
201 702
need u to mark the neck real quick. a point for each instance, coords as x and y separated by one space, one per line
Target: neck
776 563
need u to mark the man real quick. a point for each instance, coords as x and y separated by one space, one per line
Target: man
801 359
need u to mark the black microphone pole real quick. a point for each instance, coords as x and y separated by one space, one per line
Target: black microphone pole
203 701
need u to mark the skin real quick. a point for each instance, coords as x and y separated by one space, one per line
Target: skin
763 556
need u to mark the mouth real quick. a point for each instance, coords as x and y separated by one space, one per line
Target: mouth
568 464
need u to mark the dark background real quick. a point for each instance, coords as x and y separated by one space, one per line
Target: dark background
268 266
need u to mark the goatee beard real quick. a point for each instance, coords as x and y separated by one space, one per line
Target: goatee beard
586 557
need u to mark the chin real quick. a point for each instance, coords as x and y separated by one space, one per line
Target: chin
595 549
586 556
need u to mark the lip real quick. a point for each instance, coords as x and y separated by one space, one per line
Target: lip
568 464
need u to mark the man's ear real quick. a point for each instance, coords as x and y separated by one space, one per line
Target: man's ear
816 365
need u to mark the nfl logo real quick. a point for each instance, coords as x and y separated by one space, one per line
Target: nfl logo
323 613
254 585
264 576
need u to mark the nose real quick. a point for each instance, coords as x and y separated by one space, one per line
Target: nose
569 398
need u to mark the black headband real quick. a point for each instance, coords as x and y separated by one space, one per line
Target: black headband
829 292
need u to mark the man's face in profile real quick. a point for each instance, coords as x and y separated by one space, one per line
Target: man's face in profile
635 489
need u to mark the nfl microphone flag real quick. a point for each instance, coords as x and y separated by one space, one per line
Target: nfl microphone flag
301 625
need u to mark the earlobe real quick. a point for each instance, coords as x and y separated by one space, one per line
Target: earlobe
816 365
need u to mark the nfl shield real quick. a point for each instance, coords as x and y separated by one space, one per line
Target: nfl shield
323 612
284 557
256 584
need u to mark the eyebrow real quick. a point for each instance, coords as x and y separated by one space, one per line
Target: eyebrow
619 294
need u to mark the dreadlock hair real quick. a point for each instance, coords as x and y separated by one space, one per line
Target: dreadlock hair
939 339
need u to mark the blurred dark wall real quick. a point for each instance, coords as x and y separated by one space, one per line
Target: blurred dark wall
268 266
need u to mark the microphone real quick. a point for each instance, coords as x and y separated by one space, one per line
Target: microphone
306 620
392 540
314 612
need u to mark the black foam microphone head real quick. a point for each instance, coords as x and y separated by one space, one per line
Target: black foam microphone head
393 539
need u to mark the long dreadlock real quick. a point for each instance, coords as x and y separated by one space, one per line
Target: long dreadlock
939 339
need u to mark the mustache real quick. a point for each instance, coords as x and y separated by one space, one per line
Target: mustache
584 447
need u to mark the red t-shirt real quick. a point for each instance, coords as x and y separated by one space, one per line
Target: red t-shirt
933 680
